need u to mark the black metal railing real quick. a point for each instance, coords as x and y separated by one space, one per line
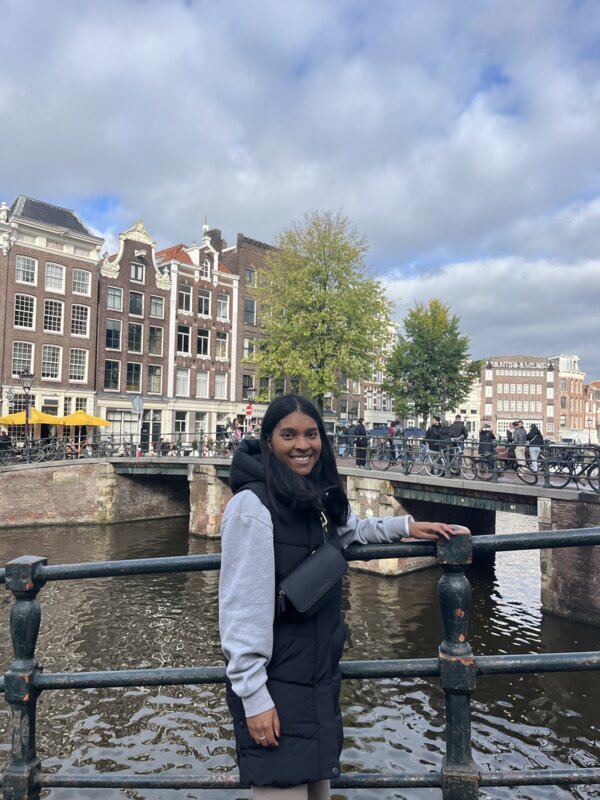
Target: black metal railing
456 666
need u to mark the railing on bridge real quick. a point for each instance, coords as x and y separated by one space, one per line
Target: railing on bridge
456 666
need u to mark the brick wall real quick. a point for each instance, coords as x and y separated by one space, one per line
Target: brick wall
86 492
208 497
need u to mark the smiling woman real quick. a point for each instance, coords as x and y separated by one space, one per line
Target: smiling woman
283 666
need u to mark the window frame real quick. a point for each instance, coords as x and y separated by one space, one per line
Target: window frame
33 299
137 389
141 337
57 349
35 262
85 335
162 339
159 369
62 269
106 330
181 336
184 298
77 270
131 295
73 350
118 370
156 299
58 304
117 292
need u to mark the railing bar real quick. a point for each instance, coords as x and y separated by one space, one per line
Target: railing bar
540 777
505 542
574 537
391 668
165 781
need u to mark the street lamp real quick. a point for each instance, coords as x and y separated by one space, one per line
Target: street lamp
589 421
27 382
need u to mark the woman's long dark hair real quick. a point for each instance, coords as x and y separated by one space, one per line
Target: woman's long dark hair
322 489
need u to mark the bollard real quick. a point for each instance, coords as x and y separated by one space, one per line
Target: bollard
460 778
25 615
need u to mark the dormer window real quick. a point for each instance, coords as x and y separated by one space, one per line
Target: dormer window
136 272
205 268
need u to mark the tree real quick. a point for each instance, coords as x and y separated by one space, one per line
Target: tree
322 316
430 368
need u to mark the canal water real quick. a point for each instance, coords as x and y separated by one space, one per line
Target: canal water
521 722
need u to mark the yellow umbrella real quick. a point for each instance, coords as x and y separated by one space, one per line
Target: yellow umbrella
35 417
82 418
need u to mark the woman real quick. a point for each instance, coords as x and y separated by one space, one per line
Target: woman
536 440
486 440
362 443
283 678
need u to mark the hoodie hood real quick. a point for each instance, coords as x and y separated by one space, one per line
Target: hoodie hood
246 465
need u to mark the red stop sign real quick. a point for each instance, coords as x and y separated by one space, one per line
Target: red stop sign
249 410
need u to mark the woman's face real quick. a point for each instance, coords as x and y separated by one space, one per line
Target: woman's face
296 442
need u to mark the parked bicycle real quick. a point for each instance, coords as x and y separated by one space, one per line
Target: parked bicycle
450 461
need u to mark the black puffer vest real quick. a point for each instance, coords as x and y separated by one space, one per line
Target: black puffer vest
303 674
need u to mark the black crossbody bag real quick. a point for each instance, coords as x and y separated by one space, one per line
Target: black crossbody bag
309 586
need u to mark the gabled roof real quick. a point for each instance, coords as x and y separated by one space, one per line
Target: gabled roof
175 253
39 211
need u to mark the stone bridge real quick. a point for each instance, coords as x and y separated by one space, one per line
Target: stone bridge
126 489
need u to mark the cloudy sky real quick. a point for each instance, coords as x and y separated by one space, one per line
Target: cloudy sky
461 136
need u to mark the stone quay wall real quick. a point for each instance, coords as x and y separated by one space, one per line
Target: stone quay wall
86 492
571 575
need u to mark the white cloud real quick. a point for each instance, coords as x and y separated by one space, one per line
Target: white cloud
447 131
515 306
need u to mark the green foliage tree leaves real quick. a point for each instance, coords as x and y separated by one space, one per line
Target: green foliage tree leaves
430 368
322 315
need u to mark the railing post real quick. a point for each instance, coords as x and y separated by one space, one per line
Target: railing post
494 461
546 453
460 779
19 779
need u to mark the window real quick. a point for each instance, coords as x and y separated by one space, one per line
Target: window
250 276
489 390
180 422
80 320
51 355
205 268
24 311
82 281
155 341
80 404
113 334
249 311
204 303
201 383
114 298
182 382
134 377
184 301
111 375
550 393
249 347
154 379
53 316
22 358
55 278
221 385
136 304
135 333
136 272
221 346
222 306
203 342
183 340
78 361
247 386
157 306
26 270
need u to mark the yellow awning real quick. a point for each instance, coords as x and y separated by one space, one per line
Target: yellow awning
82 418
35 417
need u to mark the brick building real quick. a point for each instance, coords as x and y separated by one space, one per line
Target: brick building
48 323
133 344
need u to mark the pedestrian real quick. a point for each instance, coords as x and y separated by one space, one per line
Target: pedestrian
432 434
351 439
459 432
361 442
520 441
536 440
342 440
283 669
487 439
511 462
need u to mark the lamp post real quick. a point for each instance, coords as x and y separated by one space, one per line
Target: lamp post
27 382
589 421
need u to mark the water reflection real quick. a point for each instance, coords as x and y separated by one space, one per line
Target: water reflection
171 620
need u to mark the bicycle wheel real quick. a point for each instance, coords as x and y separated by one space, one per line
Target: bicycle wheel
560 473
526 474
406 462
467 467
435 465
36 454
485 469
593 477
380 457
